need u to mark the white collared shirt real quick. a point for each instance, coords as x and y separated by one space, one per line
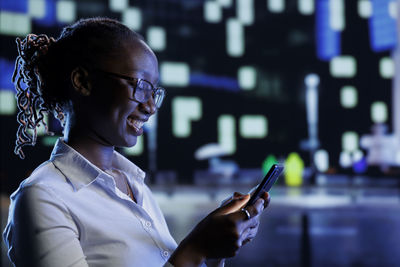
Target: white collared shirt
70 213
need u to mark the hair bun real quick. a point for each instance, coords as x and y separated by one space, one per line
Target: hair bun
34 46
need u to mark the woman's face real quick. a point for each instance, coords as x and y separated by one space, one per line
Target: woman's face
113 117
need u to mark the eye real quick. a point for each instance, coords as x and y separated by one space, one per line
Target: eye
145 85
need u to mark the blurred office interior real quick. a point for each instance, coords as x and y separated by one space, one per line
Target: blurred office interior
310 84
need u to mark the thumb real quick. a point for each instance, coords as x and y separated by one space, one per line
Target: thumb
234 205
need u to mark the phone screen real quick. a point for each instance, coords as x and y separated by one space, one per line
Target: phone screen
269 180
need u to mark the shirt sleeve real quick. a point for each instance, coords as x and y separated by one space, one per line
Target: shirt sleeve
41 231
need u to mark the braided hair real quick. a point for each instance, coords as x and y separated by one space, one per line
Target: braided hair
44 65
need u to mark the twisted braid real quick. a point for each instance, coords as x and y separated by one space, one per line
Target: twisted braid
29 101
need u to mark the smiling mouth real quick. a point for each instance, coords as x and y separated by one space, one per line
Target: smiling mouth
135 124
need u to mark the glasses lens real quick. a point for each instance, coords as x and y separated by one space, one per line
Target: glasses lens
141 91
144 90
159 96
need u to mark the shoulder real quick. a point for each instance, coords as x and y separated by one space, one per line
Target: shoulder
37 193
39 199
36 202
45 178
43 187
36 210
45 174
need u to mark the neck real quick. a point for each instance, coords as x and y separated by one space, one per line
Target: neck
90 145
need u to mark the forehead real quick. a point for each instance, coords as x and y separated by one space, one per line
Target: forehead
133 57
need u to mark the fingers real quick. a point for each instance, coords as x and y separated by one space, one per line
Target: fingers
228 227
249 233
245 237
238 195
248 239
267 199
233 205
247 218
257 208
246 214
252 223
234 195
240 221
226 200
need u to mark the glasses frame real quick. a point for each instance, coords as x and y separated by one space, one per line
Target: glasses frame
155 90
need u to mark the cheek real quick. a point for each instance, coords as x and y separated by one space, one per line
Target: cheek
111 107
105 117
120 112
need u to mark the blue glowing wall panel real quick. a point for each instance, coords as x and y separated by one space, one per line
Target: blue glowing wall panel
19 6
6 72
215 82
382 27
328 40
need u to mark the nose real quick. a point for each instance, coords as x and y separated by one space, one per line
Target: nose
149 107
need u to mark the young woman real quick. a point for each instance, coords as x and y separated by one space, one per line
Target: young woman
88 205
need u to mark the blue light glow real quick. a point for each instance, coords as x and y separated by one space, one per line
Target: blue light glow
215 82
20 6
360 166
382 26
6 72
328 40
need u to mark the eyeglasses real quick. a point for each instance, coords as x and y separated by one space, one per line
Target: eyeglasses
143 89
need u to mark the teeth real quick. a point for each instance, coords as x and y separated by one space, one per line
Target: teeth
138 124
135 123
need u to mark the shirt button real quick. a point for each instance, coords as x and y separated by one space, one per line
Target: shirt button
147 224
166 253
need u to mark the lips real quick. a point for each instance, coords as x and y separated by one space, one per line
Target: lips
136 124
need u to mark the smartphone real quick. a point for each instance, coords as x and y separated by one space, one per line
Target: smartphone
266 184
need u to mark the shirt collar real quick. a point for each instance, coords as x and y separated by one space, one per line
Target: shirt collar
81 172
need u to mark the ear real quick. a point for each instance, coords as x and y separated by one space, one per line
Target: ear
80 81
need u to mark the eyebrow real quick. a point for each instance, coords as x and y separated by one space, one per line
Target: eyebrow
129 78
122 76
145 73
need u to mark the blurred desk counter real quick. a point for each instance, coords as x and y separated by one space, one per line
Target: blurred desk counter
336 225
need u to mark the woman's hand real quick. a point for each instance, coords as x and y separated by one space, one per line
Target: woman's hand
221 233
251 232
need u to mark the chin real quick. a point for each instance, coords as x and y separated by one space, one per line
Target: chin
131 141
